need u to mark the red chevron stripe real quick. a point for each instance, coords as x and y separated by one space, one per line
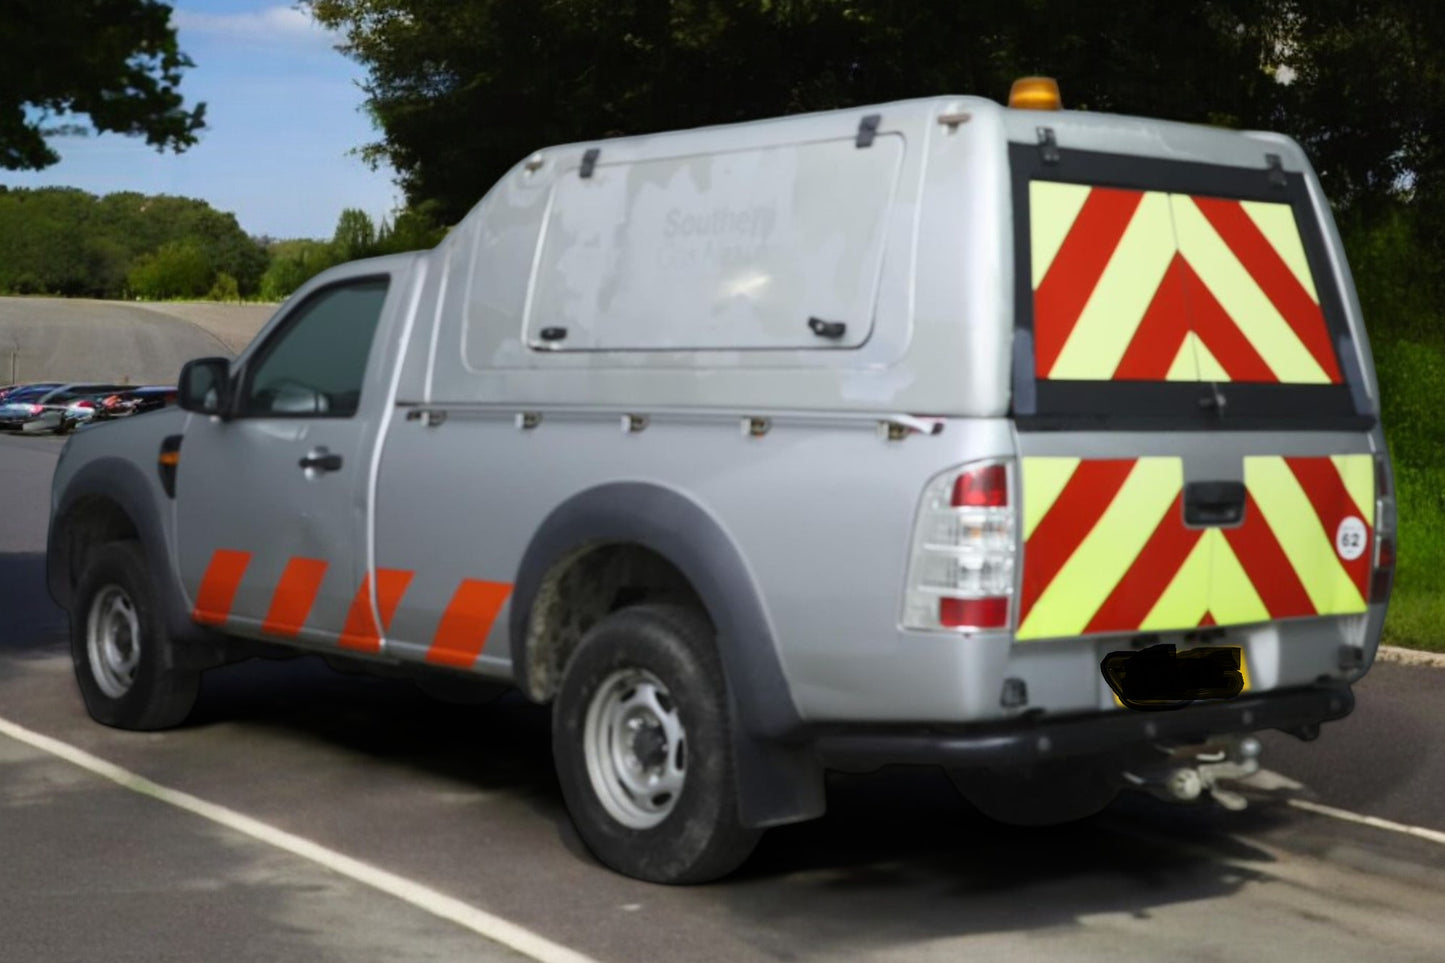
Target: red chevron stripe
1267 566
1332 504
1161 333
1221 335
1076 270
1073 515
1151 574
1239 232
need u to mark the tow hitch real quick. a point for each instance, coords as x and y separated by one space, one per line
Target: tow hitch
1187 772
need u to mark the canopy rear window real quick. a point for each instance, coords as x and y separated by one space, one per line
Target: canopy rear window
1163 290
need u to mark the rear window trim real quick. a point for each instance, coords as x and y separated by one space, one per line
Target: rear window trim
1044 404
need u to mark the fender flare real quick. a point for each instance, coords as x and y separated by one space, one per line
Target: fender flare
780 781
122 483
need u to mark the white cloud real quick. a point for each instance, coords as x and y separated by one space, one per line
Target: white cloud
271 25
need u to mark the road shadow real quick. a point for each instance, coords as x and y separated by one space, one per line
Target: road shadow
30 621
899 856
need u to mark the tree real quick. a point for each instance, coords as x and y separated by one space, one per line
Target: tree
464 90
115 61
355 235
179 269
293 263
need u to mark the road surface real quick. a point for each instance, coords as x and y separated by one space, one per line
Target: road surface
460 804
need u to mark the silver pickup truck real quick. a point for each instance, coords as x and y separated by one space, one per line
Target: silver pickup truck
935 432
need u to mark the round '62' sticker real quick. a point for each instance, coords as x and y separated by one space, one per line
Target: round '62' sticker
1350 538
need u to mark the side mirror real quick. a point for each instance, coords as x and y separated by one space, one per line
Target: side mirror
204 386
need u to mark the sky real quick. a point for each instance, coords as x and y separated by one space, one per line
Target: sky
284 118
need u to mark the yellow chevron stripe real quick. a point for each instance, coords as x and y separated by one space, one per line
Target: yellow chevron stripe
1358 474
1252 312
1310 549
1107 553
1185 366
1044 481
1233 599
1128 286
1209 367
1184 602
1276 222
1053 208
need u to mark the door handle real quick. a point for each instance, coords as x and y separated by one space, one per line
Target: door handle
1214 504
319 459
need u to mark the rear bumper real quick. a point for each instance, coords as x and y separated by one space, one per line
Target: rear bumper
1027 740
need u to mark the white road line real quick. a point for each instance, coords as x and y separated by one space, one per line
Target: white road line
494 928
1433 835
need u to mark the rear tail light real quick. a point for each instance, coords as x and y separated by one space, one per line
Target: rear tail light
36 409
961 574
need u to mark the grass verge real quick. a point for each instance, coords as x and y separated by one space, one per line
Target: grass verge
1412 379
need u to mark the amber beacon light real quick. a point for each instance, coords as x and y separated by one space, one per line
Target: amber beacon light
1035 93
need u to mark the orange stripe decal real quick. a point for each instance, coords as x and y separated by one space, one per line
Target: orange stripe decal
218 586
295 594
361 631
467 621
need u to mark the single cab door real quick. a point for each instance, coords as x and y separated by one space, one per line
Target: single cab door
270 502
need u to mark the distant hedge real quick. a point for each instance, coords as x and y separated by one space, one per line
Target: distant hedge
64 241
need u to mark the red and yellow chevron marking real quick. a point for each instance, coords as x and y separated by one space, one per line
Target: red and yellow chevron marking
1149 286
1106 549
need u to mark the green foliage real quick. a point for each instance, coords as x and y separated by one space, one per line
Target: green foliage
65 241
178 269
355 235
414 229
293 263
225 288
115 61
1412 379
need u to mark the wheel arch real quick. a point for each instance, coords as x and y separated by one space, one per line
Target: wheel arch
110 499
779 780
679 531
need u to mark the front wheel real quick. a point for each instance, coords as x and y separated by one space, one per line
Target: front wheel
122 653
641 741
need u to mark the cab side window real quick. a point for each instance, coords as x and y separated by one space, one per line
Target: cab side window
315 363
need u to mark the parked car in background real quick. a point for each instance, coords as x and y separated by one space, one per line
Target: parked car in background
117 404
42 408
6 390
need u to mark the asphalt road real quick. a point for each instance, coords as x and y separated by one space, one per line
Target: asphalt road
79 340
463 800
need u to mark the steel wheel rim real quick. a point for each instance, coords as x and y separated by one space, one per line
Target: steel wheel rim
635 748
112 640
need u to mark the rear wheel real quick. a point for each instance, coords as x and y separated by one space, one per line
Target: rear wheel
123 655
641 740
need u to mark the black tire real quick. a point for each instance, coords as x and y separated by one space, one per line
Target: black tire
699 838
132 683
1048 795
